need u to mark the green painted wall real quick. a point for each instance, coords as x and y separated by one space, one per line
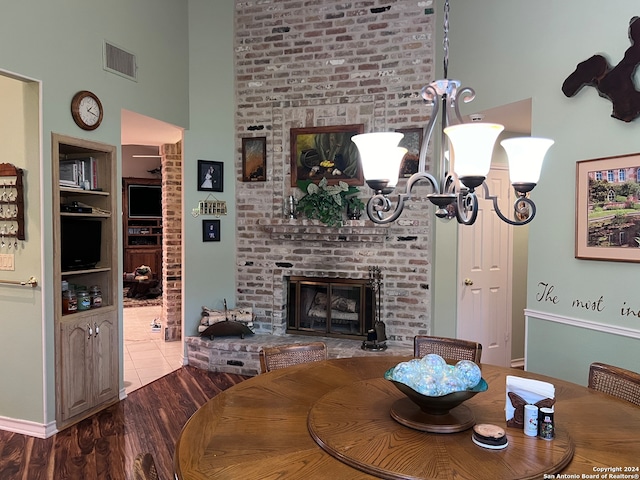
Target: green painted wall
180 47
509 51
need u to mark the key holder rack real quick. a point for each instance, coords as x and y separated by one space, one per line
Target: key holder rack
11 204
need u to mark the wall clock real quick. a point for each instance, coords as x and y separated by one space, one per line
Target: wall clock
86 110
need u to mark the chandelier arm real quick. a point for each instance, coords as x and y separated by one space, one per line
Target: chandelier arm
430 96
466 95
379 204
467 202
522 206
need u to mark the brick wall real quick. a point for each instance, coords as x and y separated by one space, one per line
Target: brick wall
329 62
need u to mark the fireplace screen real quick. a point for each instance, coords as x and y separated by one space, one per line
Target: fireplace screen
330 306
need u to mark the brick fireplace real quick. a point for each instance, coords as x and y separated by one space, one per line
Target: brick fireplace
329 63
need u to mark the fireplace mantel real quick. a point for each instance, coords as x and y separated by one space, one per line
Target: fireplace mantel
351 231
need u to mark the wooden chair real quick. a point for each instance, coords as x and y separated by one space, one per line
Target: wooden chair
615 381
447 348
274 358
144 467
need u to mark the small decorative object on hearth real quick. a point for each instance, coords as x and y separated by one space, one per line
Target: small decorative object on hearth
377 336
235 321
327 203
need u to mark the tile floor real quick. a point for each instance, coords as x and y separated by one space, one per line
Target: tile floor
147 356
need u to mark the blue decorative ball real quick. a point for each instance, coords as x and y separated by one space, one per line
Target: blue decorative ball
468 373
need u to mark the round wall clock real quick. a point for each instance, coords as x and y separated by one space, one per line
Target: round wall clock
86 110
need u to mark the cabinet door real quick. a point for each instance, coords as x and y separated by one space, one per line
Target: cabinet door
105 357
76 338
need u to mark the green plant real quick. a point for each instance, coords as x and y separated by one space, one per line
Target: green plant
327 203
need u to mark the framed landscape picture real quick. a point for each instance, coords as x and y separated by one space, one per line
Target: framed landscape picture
326 152
608 209
254 159
210 176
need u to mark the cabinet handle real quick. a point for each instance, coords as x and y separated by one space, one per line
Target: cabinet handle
97 329
90 330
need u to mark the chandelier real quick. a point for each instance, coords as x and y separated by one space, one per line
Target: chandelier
463 154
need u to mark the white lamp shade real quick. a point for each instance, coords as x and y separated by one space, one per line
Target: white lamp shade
380 155
472 145
525 157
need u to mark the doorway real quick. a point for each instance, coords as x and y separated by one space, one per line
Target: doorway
493 256
150 150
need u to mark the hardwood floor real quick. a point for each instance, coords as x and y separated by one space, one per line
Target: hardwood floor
104 445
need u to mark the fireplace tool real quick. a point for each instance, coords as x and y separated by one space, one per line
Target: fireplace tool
377 336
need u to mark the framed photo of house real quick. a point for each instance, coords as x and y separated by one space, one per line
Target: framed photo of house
210 230
412 141
254 159
326 152
210 176
608 209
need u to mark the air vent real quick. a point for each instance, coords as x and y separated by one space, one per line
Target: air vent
119 61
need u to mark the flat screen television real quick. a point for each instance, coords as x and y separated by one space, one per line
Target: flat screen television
80 243
145 201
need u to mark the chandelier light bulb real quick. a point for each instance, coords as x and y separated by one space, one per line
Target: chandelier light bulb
472 145
380 156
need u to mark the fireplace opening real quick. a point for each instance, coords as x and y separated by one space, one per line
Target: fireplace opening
330 307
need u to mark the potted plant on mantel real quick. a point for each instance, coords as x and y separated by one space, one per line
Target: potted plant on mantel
328 203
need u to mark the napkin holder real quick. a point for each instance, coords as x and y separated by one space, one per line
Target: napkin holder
517 421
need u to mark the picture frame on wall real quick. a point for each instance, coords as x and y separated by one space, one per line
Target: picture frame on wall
210 176
608 209
412 141
254 159
326 152
210 230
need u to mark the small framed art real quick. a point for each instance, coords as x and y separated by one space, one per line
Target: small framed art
210 176
210 230
254 159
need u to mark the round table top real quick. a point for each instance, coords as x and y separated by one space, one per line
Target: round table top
281 425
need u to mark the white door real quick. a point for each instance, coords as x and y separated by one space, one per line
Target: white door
484 274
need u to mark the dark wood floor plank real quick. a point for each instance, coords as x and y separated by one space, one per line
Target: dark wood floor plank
104 446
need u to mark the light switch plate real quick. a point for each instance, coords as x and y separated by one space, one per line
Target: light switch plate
7 261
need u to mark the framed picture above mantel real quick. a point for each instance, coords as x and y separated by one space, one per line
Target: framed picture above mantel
326 152
608 209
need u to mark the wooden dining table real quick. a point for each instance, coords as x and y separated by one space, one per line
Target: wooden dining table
331 420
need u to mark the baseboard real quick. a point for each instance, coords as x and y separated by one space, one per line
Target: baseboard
26 427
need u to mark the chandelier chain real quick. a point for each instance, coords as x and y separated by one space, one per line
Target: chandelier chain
445 40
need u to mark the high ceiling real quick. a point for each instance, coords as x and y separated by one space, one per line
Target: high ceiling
141 130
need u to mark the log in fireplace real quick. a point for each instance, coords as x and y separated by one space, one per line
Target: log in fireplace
330 307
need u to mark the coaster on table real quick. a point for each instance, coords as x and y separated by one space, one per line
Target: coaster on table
489 436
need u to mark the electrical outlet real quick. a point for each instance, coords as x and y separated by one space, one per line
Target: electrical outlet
6 261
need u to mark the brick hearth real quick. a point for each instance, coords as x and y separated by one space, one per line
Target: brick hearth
236 355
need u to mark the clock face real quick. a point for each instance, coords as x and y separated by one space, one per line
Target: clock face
86 110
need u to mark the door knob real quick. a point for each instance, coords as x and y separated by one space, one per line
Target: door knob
468 282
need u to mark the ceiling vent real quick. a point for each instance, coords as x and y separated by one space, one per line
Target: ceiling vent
117 60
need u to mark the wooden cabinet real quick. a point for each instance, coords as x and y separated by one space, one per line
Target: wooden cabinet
85 254
88 362
142 224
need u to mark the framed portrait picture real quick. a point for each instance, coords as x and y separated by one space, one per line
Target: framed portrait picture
210 230
608 209
412 141
326 152
254 159
210 176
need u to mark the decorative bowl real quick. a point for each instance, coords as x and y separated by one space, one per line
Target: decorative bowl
439 405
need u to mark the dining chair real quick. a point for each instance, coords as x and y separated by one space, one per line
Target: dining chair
282 356
615 381
447 348
144 467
